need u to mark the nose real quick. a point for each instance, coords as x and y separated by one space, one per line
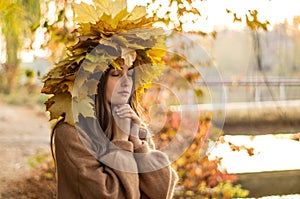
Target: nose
125 80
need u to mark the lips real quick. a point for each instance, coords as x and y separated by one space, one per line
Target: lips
124 92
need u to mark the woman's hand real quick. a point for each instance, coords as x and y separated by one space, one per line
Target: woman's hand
126 112
122 126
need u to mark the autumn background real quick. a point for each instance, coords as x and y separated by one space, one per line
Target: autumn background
247 112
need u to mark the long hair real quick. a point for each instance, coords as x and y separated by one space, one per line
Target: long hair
103 109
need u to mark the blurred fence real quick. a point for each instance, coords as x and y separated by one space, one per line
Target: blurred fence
271 183
257 88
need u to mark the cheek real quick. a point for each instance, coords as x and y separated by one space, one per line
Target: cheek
131 84
109 89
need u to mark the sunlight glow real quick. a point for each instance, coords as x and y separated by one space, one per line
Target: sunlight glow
270 154
86 1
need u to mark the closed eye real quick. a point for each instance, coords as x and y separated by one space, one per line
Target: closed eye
115 73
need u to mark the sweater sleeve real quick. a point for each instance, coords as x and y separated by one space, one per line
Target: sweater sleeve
157 178
81 175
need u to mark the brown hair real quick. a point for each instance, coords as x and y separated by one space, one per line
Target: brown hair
103 109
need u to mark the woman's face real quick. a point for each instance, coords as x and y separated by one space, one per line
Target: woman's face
119 85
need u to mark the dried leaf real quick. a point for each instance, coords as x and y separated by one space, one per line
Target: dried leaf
60 104
84 107
105 28
110 8
85 13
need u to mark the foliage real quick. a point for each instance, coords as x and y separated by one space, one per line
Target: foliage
18 20
252 20
181 7
106 31
200 177
58 28
171 14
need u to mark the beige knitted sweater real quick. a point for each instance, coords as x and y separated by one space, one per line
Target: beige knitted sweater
81 175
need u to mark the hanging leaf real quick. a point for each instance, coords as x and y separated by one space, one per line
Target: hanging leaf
84 107
60 105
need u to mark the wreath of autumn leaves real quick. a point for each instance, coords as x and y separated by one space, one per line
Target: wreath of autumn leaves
106 31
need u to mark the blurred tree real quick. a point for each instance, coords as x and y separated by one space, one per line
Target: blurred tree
171 12
18 20
58 24
296 59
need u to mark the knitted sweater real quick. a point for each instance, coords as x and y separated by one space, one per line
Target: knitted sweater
81 175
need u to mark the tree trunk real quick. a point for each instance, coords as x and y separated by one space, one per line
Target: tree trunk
11 76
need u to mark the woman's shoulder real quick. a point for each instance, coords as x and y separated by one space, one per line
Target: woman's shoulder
63 129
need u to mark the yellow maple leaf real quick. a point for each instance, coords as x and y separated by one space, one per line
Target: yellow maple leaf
60 104
114 21
84 107
109 7
138 12
85 13
106 28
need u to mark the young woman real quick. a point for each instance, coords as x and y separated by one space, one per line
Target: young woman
129 167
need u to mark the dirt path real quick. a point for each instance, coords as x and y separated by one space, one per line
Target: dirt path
23 133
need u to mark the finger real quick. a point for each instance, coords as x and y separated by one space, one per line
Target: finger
115 108
115 115
126 111
123 105
125 115
123 109
130 114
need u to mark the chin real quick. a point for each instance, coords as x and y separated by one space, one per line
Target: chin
119 102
